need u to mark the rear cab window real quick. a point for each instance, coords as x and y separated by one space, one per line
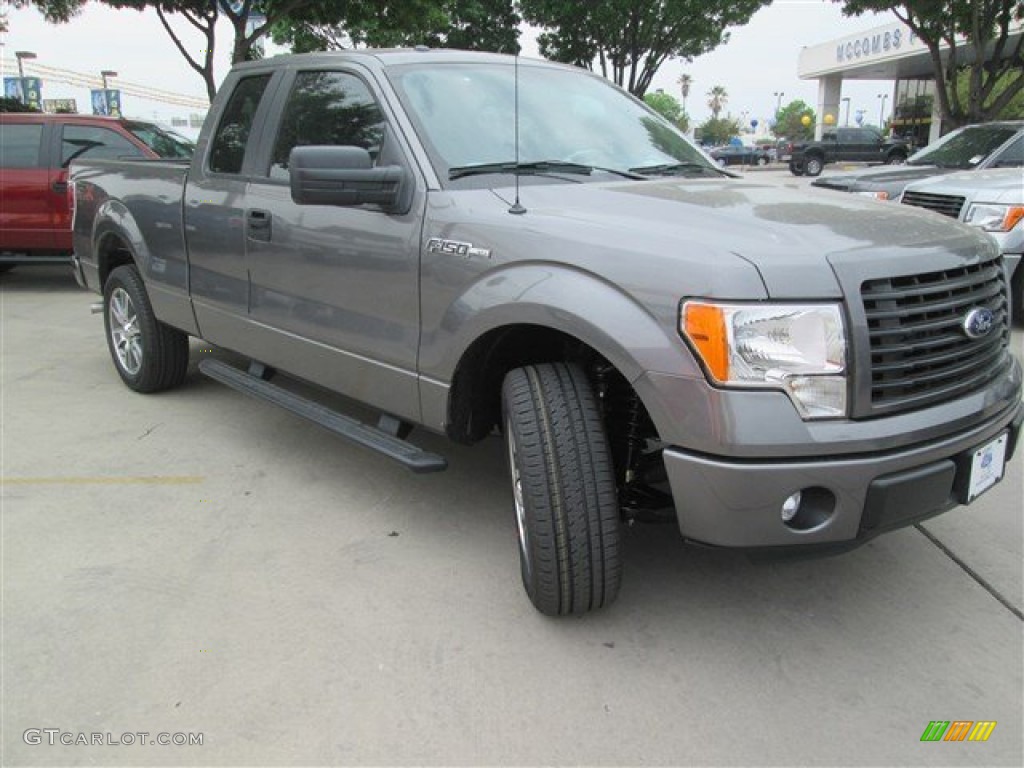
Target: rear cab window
95 142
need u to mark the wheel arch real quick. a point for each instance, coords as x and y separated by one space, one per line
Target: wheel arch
117 239
593 322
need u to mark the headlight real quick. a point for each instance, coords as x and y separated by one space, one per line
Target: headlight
799 349
878 194
994 218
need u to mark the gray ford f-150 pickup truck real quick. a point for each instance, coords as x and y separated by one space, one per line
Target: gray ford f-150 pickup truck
476 245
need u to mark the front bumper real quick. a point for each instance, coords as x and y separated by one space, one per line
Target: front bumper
737 503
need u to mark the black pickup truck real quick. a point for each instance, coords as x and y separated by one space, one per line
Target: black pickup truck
864 145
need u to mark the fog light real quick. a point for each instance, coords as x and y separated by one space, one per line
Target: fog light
791 506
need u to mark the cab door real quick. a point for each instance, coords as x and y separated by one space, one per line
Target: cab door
25 219
343 280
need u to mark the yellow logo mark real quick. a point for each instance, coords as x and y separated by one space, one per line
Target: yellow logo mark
982 730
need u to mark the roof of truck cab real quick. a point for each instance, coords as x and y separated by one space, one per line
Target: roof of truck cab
62 117
392 57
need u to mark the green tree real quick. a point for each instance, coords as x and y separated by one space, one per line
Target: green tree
252 21
718 97
628 40
685 83
789 122
718 130
476 25
665 104
14 105
1014 109
972 37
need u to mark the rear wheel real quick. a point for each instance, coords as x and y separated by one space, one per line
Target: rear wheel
896 158
148 355
563 486
813 165
762 160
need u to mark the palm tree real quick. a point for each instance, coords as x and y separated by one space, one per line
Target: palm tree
684 82
718 97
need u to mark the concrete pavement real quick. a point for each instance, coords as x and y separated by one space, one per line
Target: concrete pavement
199 563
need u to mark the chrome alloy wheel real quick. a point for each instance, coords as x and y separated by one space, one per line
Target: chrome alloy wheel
124 331
517 495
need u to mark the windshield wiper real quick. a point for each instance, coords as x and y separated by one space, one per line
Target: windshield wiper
671 169
536 166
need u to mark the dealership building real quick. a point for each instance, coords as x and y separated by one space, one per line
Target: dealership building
890 52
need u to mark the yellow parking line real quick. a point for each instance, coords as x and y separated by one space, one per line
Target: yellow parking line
139 480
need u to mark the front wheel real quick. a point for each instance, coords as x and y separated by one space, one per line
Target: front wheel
896 158
563 486
813 166
148 355
797 169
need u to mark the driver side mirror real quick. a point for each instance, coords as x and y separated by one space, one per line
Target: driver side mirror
343 176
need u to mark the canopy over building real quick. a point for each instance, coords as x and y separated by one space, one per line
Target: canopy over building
890 52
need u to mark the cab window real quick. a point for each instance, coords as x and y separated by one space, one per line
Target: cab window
327 109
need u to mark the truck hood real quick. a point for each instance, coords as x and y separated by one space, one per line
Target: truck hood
787 234
869 179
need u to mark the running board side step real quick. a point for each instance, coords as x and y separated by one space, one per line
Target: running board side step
404 453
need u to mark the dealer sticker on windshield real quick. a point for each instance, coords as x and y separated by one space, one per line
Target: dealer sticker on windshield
987 467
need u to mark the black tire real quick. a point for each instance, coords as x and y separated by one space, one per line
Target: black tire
148 355
564 489
1017 296
797 169
813 165
6 268
762 160
895 158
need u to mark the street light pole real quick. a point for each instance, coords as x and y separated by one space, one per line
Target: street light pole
20 55
847 100
105 74
881 112
778 102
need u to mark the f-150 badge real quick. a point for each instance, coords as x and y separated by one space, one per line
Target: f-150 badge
456 248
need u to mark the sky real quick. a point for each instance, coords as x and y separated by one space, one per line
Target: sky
759 60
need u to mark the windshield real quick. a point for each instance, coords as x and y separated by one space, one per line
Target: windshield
964 148
165 143
466 116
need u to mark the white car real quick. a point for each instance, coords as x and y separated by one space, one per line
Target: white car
991 200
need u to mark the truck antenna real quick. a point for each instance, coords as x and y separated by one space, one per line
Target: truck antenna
517 207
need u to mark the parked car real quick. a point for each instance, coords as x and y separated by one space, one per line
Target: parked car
732 154
654 339
971 148
863 145
991 200
35 152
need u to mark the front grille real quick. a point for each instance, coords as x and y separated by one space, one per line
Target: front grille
948 205
920 352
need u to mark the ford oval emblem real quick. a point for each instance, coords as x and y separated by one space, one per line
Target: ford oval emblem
979 322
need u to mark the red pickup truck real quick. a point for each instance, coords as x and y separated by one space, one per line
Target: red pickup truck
35 152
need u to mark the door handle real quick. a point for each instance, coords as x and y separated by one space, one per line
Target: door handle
59 187
258 222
